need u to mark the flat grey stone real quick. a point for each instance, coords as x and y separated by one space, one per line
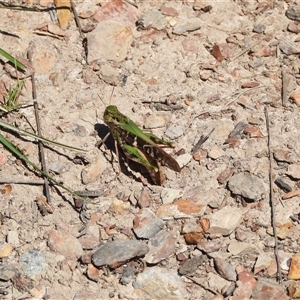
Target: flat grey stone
117 252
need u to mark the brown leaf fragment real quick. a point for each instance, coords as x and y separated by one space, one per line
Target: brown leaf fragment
216 53
253 132
44 207
6 189
291 194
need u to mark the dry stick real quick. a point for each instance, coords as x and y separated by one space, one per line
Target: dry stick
279 275
244 51
21 181
77 19
38 126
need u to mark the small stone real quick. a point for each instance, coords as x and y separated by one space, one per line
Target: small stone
146 224
7 273
169 195
191 265
93 170
43 61
295 96
53 28
191 225
3 159
110 75
193 238
294 271
33 263
263 262
282 155
86 295
174 132
225 269
189 44
294 27
265 290
92 273
88 242
222 221
247 185
288 47
154 121
245 284
118 38
5 249
238 248
216 282
57 167
294 171
161 246
119 206
13 238
294 290
184 159
199 4
215 153
153 18
64 243
291 194
168 11
180 209
210 246
160 283
225 175
259 28
144 199
115 253
293 12
186 25
63 13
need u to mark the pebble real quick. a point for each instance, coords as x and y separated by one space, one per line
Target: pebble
12 238
160 284
88 242
294 171
3 159
184 159
225 269
169 195
288 47
57 167
161 246
291 194
295 96
263 262
119 11
217 283
265 290
210 246
154 121
191 225
7 273
215 153
193 238
33 263
245 284
247 185
238 248
64 13
185 25
64 243
294 290
283 185
110 75
191 265
86 295
94 170
259 28
92 272
293 12
117 252
153 18
117 37
225 175
43 61
5 249
168 11
222 221
174 131
180 209
144 199
294 271
146 224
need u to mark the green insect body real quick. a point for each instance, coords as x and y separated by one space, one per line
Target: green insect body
139 146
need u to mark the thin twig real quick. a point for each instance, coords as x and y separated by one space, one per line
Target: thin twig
244 51
21 181
77 19
38 125
279 275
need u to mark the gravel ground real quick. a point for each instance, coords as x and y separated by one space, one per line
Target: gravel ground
226 72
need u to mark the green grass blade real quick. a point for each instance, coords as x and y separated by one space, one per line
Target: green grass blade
21 156
13 60
39 138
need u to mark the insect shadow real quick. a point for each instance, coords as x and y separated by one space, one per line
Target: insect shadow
109 144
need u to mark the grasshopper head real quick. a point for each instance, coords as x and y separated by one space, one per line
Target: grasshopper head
112 115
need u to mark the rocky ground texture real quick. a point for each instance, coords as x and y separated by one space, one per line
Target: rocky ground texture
224 70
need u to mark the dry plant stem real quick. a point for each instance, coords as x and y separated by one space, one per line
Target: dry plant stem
39 132
77 19
244 51
279 275
21 181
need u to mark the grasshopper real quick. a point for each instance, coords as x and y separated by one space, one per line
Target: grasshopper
142 147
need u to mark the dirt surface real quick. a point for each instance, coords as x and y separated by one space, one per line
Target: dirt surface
180 69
